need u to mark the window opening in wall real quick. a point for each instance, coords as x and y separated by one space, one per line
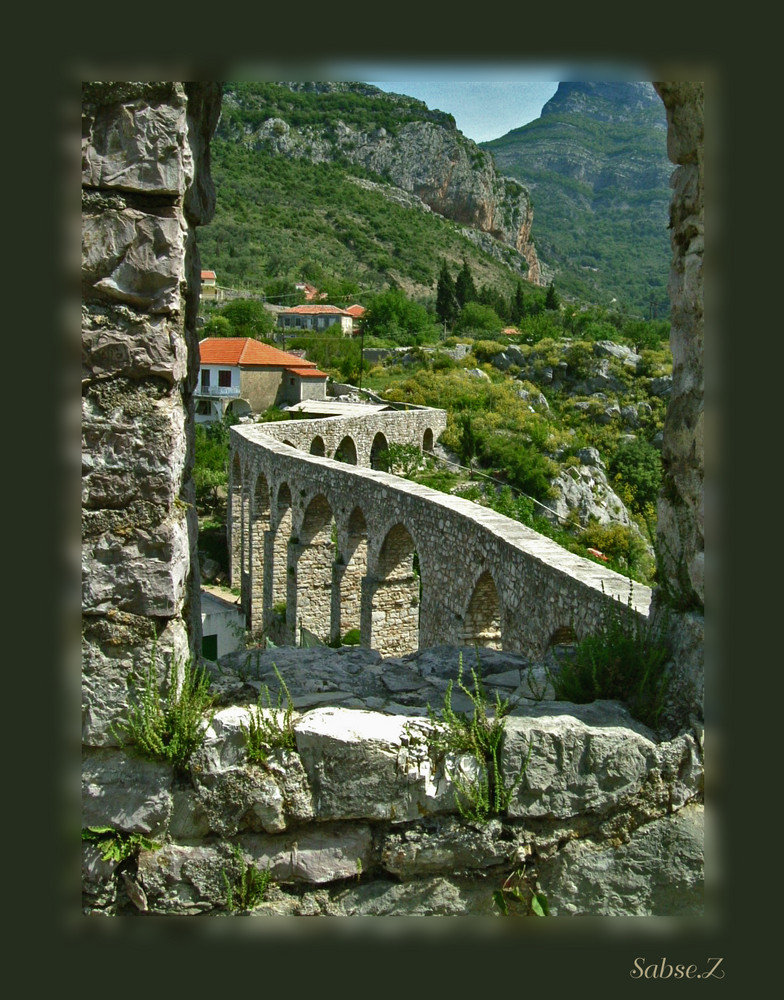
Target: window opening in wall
205 378
209 647
224 378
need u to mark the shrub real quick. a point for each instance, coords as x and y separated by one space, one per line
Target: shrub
116 845
168 721
248 884
481 736
624 660
266 730
352 637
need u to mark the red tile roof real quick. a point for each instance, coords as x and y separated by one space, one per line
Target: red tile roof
206 275
306 372
356 311
315 310
246 351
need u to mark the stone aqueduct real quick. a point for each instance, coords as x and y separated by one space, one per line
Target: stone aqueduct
344 545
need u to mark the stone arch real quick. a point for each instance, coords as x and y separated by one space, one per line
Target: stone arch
317 446
482 620
380 444
395 600
312 556
259 526
561 644
239 408
427 441
235 520
280 543
350 569
346 451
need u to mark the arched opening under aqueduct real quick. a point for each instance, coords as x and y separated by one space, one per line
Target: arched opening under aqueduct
395 600
351 567
312 557
317 446
379 446
482 620
346 451
278 570
259 526
427 441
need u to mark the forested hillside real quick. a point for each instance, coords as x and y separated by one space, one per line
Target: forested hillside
597 167
295 202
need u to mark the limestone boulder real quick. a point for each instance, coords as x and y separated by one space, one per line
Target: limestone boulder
137 146
658 872
131 794
364 765
134 257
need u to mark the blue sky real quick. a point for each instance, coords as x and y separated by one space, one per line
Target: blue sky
482 109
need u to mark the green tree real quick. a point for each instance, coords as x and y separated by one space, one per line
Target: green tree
248 318
446 296
638 465
217 326
391 315
552 301
465 289
517 304
481 319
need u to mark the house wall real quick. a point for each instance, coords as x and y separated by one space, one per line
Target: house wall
261 388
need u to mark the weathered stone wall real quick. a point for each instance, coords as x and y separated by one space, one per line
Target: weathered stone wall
681 522
360 818
145 183
469 556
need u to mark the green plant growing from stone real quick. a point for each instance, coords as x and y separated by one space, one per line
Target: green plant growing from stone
248 885
521 892
116 845
168 721
625 659
481 735
270 727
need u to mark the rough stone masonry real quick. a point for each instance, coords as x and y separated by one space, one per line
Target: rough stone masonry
607 819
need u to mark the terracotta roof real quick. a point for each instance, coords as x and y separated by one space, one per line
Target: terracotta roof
304 372
316 310
246 351
207 274
356 310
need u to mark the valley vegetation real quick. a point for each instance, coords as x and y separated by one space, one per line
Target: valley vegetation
524 372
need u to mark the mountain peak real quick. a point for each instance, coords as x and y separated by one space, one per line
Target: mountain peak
615 101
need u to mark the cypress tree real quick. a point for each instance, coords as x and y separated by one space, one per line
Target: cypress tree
551 300
465 289
446 299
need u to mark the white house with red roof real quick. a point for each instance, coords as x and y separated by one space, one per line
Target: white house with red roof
243 376
209 286
315 317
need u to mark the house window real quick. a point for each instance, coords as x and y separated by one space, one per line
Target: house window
224 378
209 647
291 381
205 378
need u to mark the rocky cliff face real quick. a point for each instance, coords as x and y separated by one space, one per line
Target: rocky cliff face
429 159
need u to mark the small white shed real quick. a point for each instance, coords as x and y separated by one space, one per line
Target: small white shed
222 626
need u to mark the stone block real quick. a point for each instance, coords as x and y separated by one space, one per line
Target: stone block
131 794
